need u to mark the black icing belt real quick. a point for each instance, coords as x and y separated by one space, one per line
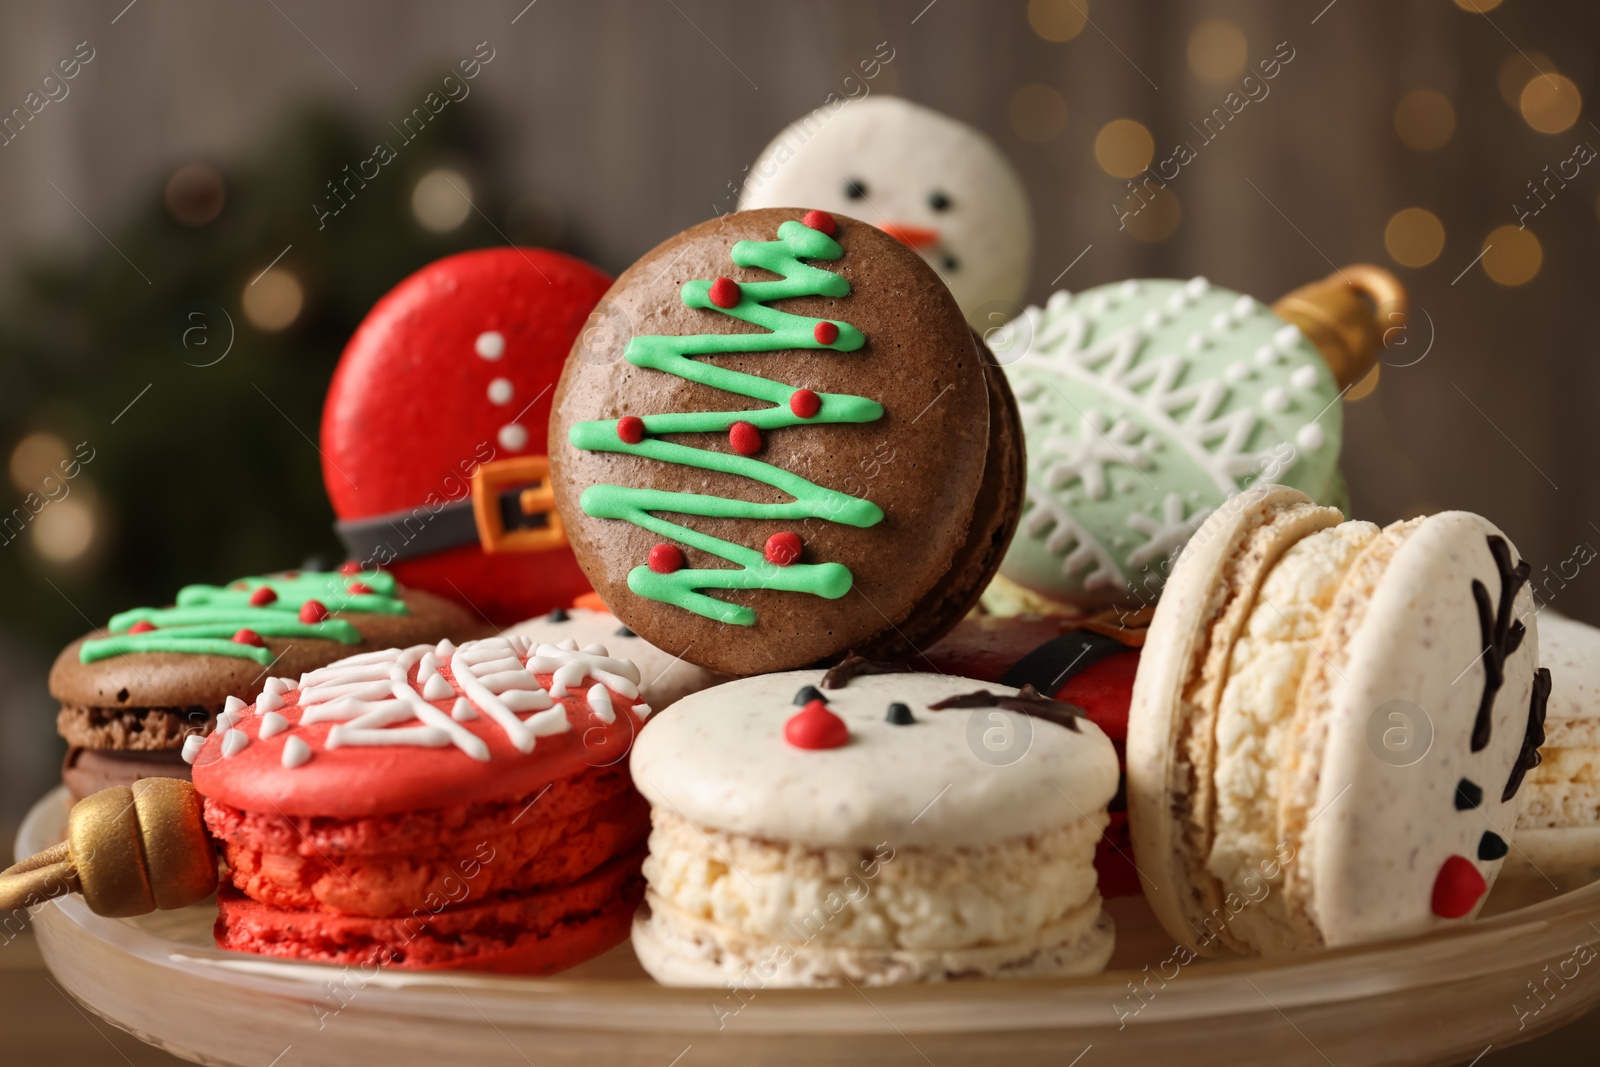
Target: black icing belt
422 531
1059 660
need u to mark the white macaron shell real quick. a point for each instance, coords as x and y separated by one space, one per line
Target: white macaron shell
1380 830
961 777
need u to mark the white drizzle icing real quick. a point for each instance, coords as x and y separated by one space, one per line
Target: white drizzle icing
272 724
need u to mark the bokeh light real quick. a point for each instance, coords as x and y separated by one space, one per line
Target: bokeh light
1424 119
1513 257
1366 386
34 458
1477 7
65 529
1550 103
1414 237
1123 148
1517 69
1058 20
1038 113
1157 220
442 200
195 194
1217 51
273 301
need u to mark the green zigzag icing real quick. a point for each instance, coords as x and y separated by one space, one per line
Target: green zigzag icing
207 616
784 331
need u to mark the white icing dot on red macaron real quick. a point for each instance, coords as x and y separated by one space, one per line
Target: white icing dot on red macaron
500 391
491 344
513 437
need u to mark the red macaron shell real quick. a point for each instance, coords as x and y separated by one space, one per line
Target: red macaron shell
531 933
357 781
410 414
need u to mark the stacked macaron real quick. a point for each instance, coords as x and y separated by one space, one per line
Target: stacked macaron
1331 726
850 826
135 692
437 806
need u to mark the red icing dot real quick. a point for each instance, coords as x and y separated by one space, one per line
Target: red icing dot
248 636
631 429
815 727
725 293
143 626
826 333
820 220
291 575
313 611
350 568
804 403
262 597
1458 888
745 438
664 559
783 548
358 588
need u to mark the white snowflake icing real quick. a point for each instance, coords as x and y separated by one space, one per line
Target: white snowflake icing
373 698
1063 536
1166 534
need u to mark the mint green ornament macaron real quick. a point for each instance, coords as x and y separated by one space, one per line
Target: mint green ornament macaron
1147 403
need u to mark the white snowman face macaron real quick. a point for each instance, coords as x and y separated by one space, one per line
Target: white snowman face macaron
939 185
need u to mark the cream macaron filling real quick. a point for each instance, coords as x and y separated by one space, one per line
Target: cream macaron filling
1254 726
754 908
1564 789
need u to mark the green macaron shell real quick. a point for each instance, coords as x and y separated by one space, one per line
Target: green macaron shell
1146 404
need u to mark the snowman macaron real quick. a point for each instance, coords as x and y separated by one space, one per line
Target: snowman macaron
937 184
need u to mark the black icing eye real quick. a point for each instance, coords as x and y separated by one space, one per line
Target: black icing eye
899 715
559 615
950 263
855 188
807 694
938 201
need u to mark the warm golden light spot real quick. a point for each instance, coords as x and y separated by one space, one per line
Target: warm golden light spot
1038 113
1424 119
64 530
1414 237
1513 257
1550 103
1217 51
1477 7
36 457
273 301
1123 148
1058 20
442 200
1157 220
1517 69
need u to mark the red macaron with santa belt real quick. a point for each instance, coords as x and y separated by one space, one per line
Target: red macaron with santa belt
434 430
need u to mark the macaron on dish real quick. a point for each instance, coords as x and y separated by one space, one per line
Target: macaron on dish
819 829
1146 403
134 693
862 502
437 806
930 180
1090 664
1558 834
664 677
433 432
1331 726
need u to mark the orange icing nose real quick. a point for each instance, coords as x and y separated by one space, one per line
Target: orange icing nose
914 236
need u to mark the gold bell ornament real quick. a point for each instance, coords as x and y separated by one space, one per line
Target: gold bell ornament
129 850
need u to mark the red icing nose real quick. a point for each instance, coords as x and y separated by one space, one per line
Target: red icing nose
907 234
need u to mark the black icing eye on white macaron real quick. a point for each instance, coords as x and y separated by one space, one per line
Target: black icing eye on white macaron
1331 726
861 793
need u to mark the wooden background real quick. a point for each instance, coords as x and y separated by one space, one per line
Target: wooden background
628 119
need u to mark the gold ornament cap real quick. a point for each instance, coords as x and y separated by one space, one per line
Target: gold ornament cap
1348 315
129 850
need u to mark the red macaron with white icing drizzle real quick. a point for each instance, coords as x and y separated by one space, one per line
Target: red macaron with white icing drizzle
432 807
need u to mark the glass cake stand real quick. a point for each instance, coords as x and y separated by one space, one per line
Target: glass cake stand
1439 999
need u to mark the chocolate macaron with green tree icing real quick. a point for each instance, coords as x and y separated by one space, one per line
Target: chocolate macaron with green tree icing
782 442
134 693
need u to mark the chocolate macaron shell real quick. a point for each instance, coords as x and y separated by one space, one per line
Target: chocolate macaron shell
994 522
172 683
922 462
